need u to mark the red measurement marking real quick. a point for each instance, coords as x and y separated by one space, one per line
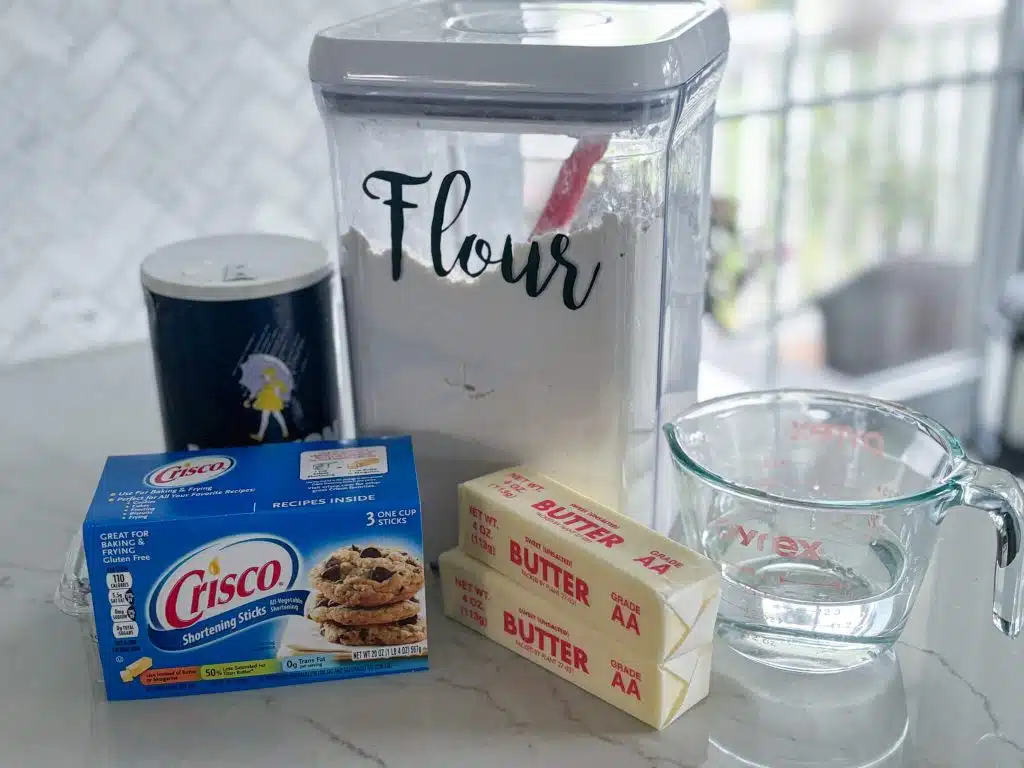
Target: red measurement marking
842 433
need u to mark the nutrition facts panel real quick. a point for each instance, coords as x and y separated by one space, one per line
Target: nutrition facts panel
122 605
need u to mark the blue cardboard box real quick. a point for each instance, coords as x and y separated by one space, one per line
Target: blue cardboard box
223 570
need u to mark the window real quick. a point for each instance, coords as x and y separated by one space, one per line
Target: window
863 196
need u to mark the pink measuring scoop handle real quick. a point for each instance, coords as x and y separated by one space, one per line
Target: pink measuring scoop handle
568 189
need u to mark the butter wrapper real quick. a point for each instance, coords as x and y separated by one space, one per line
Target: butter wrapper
632 584
654 692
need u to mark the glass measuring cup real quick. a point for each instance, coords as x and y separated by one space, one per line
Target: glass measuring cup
823 511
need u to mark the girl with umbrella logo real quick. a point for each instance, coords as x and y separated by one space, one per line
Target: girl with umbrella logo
269 385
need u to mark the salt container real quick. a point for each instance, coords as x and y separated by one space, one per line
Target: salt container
522 194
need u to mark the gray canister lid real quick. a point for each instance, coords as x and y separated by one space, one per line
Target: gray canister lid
235 267
497 48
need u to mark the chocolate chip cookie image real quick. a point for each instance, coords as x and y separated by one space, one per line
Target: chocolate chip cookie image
367 577
325 609
406 631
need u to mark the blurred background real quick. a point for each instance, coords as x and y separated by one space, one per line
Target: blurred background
867 201
867 198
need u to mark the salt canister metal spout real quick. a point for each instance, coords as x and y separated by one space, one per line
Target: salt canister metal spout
522 195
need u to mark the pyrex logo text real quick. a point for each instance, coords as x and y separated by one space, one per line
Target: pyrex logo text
201 469
222 577
783 546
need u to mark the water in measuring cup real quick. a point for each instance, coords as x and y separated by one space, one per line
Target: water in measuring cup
810 598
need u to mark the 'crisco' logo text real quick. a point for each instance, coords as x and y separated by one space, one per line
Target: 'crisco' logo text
201 469
222 577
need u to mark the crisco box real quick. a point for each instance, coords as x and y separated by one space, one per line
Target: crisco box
208 571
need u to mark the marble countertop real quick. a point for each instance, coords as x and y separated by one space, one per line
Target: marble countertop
950 696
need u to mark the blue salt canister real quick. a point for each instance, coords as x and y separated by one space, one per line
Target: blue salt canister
243 338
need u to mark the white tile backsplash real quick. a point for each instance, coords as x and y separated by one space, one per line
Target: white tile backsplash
127 124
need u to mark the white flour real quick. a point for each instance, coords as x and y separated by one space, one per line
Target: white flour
484 376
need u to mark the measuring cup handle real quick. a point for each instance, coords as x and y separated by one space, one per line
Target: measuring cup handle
999 493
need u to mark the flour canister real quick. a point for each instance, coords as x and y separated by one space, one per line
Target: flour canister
243 337
522 203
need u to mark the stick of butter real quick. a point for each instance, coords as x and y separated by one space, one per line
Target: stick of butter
535 628
639 587
135 669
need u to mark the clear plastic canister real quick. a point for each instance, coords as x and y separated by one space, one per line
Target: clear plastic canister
522 206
